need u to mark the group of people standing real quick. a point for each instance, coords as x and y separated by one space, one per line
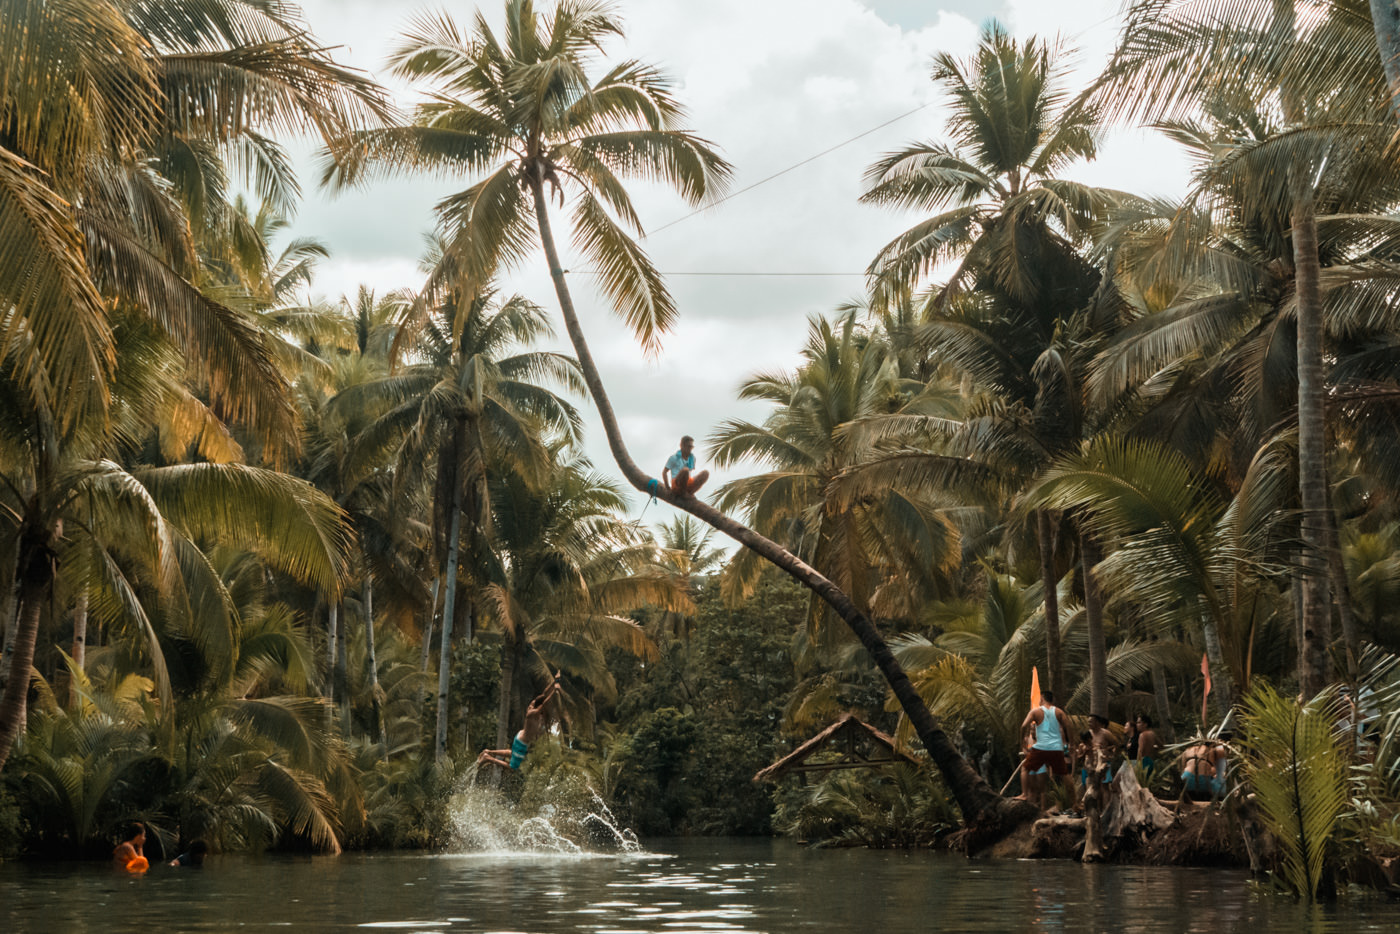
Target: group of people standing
1046 732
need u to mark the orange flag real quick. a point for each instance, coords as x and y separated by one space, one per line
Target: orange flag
1205 670
1035 688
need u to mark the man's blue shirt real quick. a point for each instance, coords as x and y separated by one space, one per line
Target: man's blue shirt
679 462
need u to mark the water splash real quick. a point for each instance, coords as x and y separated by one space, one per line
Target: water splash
576 822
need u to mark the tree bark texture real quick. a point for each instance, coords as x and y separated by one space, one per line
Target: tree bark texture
1385 17
1312 432
449 606
36 574
332 645
372 660
977 801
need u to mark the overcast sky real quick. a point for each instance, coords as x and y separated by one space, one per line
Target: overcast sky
771 83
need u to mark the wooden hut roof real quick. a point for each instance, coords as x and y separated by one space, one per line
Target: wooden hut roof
860 745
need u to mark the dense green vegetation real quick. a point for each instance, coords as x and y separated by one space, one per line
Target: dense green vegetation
272 572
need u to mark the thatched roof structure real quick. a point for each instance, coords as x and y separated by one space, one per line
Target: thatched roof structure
859 744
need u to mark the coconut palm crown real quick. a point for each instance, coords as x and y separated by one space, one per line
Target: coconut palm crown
519 110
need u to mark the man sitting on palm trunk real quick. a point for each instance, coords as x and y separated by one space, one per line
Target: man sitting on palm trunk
677 472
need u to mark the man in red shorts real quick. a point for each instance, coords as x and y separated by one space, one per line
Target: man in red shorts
678 473
1049 733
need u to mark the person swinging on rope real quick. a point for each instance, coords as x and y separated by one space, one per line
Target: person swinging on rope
678 474
536 722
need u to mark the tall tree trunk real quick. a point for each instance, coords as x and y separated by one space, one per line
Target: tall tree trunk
332 646
1093 620
1045 533
1315 672
1385 17
449 607
1222 685
79 654
342 667
503 708
428 629
372 660
36 573
1341 594
1312 464
977 801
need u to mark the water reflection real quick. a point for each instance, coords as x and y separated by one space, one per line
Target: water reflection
684 886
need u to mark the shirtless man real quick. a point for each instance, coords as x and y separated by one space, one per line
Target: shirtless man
128 854
1049 734
1148 745
535 721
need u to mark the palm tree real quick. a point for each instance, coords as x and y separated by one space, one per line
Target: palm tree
567 569
524 111
473 404
892 552
1185 560
1175 58
1018 309
91 229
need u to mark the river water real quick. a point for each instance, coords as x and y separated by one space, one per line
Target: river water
670 886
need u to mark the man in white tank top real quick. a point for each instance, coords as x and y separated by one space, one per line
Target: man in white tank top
1048 731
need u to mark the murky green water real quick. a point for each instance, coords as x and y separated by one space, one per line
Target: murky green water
676 886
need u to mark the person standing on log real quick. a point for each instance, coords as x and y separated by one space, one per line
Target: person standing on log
1049 733
1147 746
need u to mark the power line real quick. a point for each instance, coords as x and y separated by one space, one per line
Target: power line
824 152
787 275
796 165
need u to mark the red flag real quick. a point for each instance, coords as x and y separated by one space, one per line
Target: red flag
1205 670
1035 688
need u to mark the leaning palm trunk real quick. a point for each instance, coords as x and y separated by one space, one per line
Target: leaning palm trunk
977 801
428 629
1046 535
503 709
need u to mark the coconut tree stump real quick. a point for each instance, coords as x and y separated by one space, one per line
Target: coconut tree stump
1133 809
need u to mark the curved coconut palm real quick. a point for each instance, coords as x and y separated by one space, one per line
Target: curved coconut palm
522 112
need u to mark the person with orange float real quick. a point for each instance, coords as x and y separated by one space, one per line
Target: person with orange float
128 855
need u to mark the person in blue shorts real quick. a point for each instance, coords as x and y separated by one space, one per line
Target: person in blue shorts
536 719
1203 768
